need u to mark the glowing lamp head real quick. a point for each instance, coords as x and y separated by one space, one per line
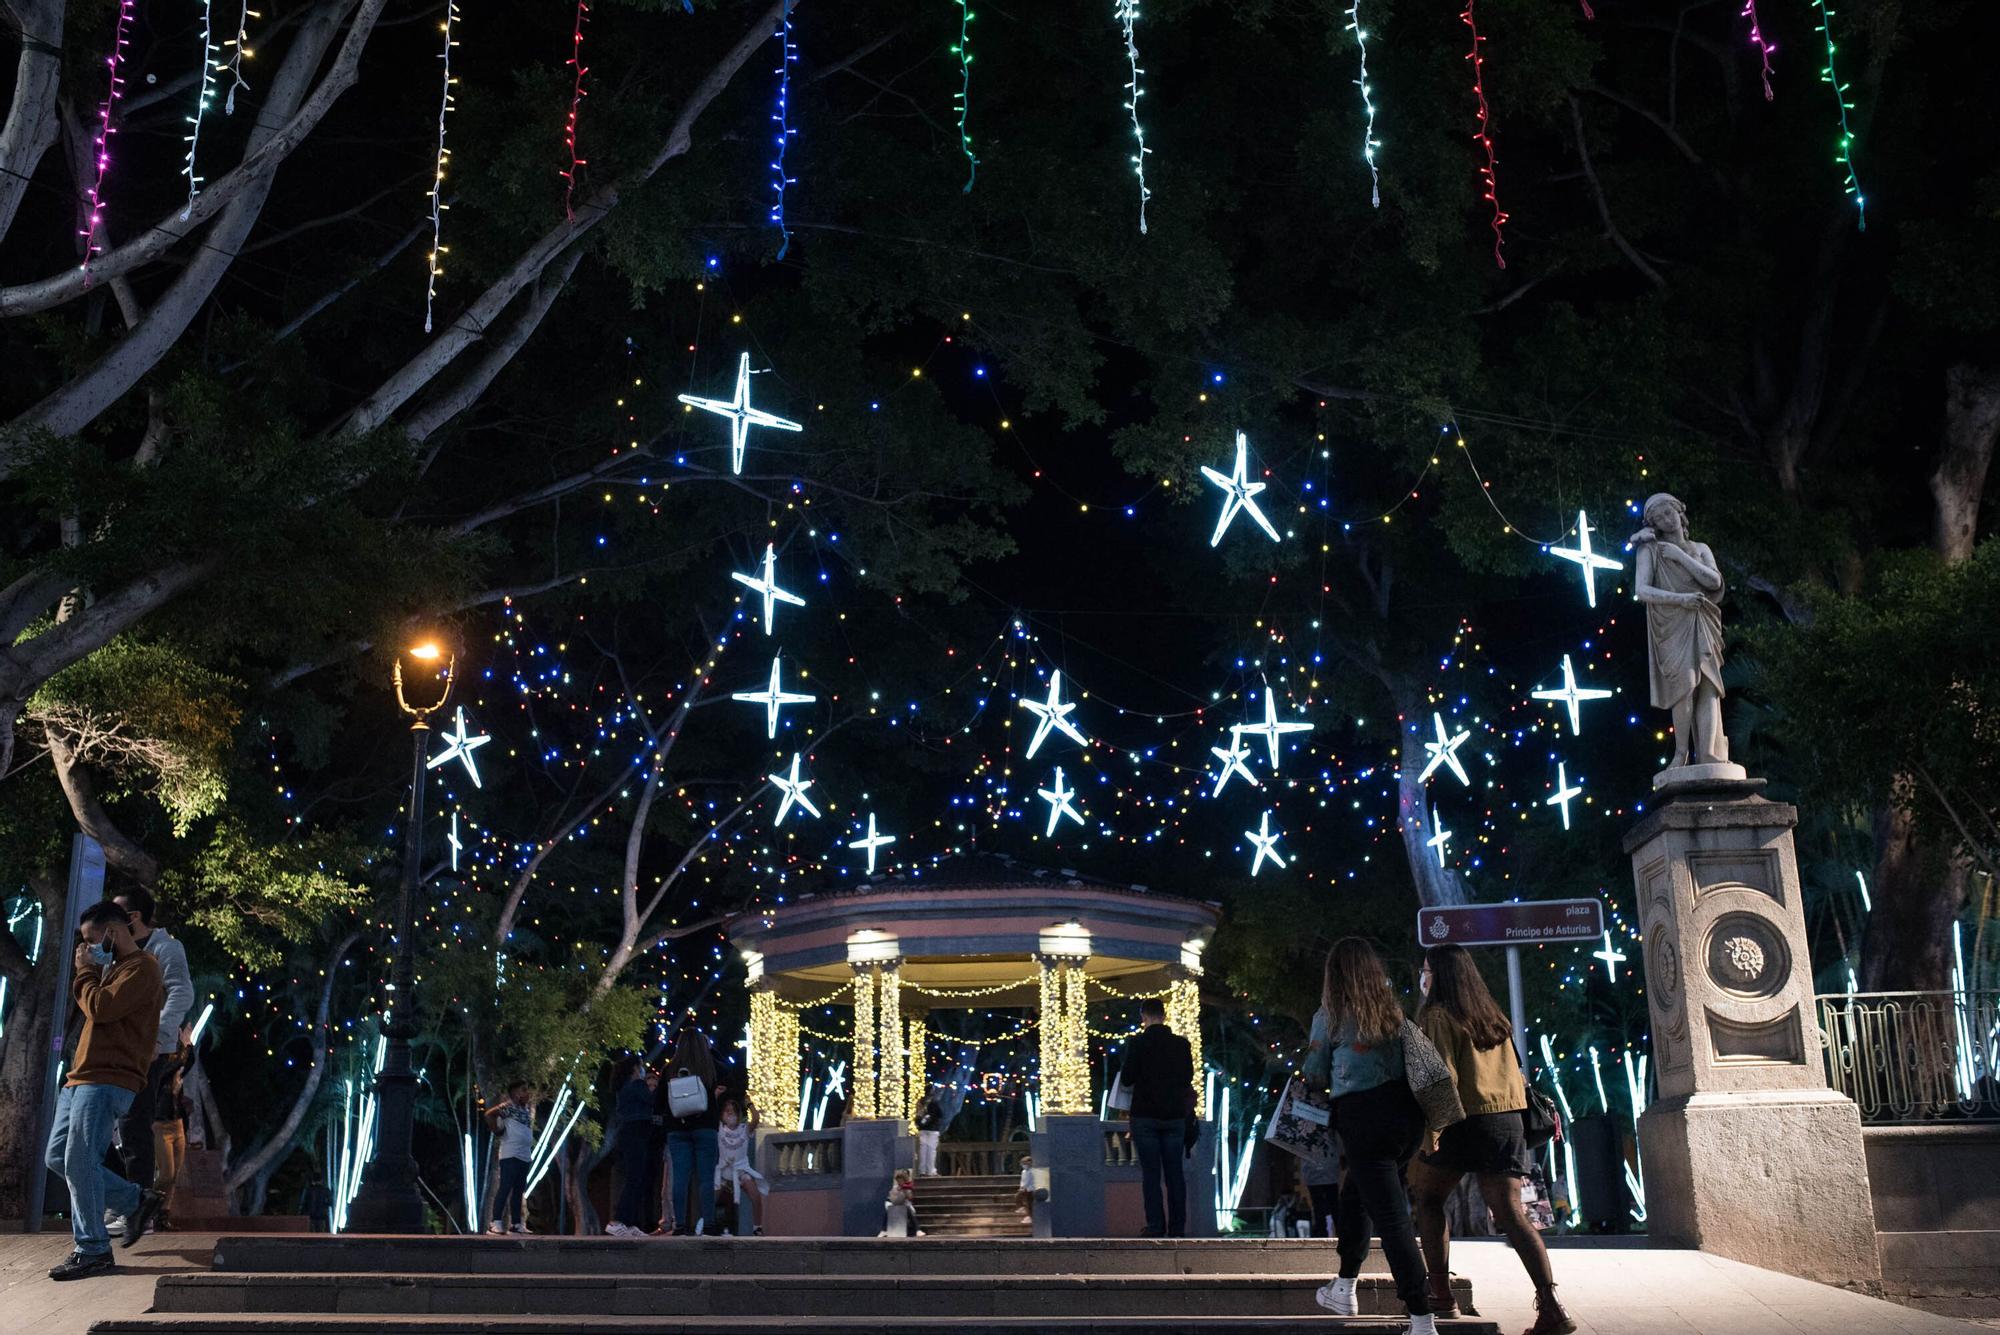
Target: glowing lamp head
427 651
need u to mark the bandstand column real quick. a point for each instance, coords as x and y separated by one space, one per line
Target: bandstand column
1183 1002
890 1057
861 1079
1065 1061
916 1064
774 1060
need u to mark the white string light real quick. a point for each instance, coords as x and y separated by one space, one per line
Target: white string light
209 65
1440 836
241 52
1053 714
438 206
1128 16
1232 760
1369 143
1270 729
872 842
1611 955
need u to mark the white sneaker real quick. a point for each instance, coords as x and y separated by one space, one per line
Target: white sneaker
1337 1297
614 1229
114 1223
525 1231
496 1227
1423 1325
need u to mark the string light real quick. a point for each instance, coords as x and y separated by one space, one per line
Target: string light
1271 729
438 206
1844 147
963 98
787 57
240 51
1232 762
114 93
209 66
1611 956
1489 172
1128 18
576 96
1368 141
1764 48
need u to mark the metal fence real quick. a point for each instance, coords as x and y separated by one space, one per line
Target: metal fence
1914 1057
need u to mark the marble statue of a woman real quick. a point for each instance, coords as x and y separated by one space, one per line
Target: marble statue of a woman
1680 584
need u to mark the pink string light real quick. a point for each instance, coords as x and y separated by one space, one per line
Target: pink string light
113 93
1764 48
1489 172
576 97
1588 12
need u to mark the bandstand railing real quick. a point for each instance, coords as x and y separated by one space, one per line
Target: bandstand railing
973 1158
804 1153
1914 1057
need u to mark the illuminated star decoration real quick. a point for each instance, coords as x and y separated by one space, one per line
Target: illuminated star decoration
1266 842
773 698
767 586
1053 714
1440 836
1270 729
794 789
1444 751
1232 758
463 744
740 414
452 839
1239 491
1563 794
1611 955
872 842
1586 558
1058 799
1570 694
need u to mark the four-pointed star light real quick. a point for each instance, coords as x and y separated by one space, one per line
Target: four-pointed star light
1052 715
740 414
1570 694
1440 836
1057 796
872 842
461 745
774 698
766 586
1238 493
1270 729
1589 560
794 790
1444 751
1565 792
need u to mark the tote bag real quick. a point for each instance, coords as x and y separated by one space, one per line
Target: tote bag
1120 1097
1430 1079
1301 1124
687 1096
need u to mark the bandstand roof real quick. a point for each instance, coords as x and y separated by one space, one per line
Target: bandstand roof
974 923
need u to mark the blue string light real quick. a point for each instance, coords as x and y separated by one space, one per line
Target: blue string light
788 55
963 50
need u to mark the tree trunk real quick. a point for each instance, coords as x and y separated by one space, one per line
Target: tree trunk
1971 423
1435 885
23 1065
30 126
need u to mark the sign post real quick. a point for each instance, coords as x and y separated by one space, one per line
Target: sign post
1512 925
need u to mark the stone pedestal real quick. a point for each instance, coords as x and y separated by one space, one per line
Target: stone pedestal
1747 1153
872 1149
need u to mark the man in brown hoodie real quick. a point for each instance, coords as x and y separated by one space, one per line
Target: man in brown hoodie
119 989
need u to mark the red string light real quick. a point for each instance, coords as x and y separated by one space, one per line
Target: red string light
1489 173
575 104
113 92
1588 12
1764 48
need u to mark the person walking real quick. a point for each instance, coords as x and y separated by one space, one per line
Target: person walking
170 1127
692 1120
930 1125
1159 1070
135 1128
512 1120
1475 1038
118 987
632 1118
1357 1057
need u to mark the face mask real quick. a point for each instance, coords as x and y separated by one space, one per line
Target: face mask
729 1119
102 957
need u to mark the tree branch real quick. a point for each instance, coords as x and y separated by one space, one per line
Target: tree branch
30 126
446 404
1603 207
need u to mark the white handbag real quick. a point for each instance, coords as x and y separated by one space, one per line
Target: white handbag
687 1096
1120 1098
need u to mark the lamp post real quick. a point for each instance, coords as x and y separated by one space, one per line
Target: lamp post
388 1201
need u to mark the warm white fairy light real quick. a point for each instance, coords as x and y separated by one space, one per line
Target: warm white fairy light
1128 18
740 414
1444 751
1232 758
1058 796
1440 836
794 790
209 65
1270 729
1266 844
462 744
1588 560
1565 793
240 52
1369 143
766 586
774 698
438 206
1571 695
1238 491
872 842
1053 715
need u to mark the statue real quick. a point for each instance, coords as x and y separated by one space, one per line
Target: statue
1681 585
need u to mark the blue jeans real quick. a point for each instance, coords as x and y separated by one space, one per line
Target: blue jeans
692 1154
513 1187
78 1143
1161 1142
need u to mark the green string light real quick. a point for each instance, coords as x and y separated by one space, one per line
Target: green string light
963 97
1844 155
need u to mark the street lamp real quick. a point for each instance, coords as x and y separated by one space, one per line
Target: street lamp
388 1201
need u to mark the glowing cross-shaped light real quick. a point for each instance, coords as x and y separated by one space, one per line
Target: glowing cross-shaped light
1444 751
1611 955
1238 489
836 1079
1053 714
1440 836
1589 560
1232 758
740 414
1563 794
1266 843
462 745
872 842
794 790
1571 695
452 839
767 586
773 698
1058 799
1270 729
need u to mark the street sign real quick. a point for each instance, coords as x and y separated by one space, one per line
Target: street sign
1532 923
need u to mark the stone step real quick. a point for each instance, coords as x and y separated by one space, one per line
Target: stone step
937 1296
487 1254
700 1325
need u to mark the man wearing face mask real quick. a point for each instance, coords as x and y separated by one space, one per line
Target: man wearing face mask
118 988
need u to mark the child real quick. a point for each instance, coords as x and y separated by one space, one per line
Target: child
1024 1199
899 1212
732 1161
512 1120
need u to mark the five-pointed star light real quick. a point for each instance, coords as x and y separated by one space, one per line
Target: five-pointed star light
1440 836
1565 792
740 414
872 842
1444 751
1058 798
773 698
766 586
462 745
1589 560
794 790
1237 491
1571 695
1232 758
1611 956
1266 843
1053 714
452 839
1270 729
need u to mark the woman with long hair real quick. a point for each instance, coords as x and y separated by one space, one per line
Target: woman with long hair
691 1146
631 1126
1475 1038
1357 1057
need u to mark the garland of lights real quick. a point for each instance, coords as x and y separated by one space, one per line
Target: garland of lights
576 96
774 1061
1369 143
787 56
1764 48
1128 17
1844 146
1184 1018
967 992
438 206
891 1061
114 92
862 1101
241 51
916 1071
963 97
209 66
1489 171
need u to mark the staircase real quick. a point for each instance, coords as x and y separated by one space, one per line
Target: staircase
318 1285
970 1207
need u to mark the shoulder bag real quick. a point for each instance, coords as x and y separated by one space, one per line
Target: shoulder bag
1430 1079
687 1096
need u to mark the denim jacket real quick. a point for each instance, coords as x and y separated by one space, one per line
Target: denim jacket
1345 1066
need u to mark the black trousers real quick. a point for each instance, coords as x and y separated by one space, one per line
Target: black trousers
135 1128
1379 1130
1325 1206
513 1188
1160 1142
